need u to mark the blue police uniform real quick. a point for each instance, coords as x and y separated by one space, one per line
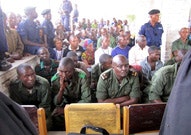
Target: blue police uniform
29 30
49 31
67 9
3 41
153 34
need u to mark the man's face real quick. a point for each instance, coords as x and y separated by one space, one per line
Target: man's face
155 55
65 72
27 77
142 42
107 65
121 68
184 33
155 17
44 55
105 43
74 42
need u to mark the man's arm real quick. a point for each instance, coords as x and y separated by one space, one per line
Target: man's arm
117 100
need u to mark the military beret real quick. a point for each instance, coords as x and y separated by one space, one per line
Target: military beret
27 10
46 11
154 11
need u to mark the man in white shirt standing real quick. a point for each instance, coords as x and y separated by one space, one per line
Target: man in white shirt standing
138 52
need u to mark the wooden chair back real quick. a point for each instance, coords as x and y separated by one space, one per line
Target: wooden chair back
32 112
105 115
142 117
42 121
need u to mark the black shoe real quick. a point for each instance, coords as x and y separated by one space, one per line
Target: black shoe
5 65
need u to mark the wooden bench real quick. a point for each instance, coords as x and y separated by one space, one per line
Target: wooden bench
144 118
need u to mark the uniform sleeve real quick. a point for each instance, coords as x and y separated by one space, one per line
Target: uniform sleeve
46 96
101 92
156 88
135 91
20 45
85 91
142 30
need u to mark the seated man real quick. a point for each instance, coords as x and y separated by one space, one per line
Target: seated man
74 46
47 67
31 89
118 85
182 42
70 85
163 81
151 63
105 61
176 58
122 46
138 52
78 64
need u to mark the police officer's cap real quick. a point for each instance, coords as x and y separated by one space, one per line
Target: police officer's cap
46 11
154 11
28 10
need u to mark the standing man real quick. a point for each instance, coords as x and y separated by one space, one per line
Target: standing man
4 65
65 10
29 32
75 14
49 31
153 29
118 85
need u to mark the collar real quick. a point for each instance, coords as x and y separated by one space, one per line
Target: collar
71 48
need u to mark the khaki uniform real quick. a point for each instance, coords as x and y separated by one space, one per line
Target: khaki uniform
162 82
77 90
109 87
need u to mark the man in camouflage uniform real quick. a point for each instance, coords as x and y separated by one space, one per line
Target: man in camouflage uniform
31 89
118 85
163 80
105 62
70 85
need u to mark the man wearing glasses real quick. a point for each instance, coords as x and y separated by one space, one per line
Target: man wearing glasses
118 85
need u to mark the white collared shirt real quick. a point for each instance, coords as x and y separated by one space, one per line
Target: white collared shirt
136 54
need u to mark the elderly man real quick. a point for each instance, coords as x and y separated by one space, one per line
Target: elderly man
153 29
118 85
182 42
138 52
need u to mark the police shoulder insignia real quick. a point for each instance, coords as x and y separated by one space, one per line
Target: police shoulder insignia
54 77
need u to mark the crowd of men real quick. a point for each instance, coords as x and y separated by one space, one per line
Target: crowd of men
92 62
